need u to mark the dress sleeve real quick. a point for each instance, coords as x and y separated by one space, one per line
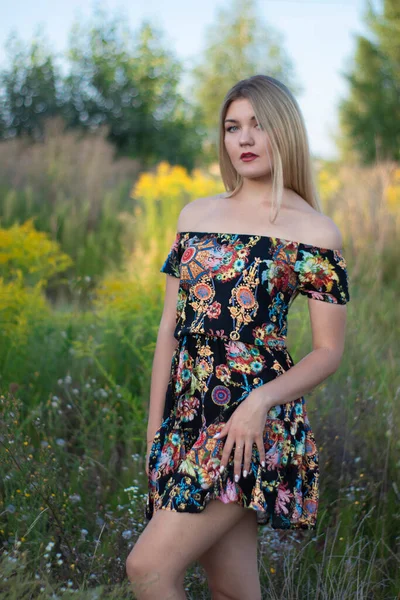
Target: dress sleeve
322 274
172 262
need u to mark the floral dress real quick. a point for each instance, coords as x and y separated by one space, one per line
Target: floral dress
234 294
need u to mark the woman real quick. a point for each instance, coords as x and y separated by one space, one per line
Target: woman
235 449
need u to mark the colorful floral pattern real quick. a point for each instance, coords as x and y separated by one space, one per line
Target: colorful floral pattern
231 323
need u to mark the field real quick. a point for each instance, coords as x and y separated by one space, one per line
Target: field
82 238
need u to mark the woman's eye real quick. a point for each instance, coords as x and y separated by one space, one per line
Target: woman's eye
233 126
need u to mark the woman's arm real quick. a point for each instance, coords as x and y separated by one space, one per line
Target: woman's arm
166 342
165 346
328 324
245 427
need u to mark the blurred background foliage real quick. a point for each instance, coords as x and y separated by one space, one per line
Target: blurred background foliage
95 166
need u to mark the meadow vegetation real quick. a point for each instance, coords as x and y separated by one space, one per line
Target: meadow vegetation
83 235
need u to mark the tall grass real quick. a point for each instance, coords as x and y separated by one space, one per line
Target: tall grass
77 190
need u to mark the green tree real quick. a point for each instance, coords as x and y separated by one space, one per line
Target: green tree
370 117
238 45
28 88
129 83
126 82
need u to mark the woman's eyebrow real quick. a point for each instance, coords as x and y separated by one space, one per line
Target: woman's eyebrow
235 121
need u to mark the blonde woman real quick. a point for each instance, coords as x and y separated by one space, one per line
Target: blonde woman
230 445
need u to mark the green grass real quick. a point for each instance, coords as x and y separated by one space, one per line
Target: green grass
73 419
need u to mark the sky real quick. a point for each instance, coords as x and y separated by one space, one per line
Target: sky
319 36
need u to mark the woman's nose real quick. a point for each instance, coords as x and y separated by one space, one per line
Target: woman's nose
245 137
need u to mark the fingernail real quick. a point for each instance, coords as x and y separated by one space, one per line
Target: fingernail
245 473
221 469
216 435
236 478
263 463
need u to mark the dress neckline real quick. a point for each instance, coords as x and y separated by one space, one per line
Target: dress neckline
267 237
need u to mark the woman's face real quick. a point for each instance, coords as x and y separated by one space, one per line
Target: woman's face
243 136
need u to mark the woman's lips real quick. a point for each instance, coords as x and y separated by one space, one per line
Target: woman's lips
249 157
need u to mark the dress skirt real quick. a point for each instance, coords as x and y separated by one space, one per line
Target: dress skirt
210 376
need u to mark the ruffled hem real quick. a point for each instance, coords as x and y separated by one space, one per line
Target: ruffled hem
264 517
284 493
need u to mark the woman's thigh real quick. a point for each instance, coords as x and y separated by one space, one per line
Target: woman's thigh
231 563
171 541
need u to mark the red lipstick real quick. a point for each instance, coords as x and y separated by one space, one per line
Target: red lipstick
248 156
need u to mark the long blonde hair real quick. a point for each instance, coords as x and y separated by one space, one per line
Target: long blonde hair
279 115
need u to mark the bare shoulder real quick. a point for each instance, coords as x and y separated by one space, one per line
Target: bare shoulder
320 230
314 227
193 212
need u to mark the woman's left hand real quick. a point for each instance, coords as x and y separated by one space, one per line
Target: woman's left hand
244 429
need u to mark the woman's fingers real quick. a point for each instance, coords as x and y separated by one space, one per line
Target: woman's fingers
226 452
261 448
242 454
248 448
237 462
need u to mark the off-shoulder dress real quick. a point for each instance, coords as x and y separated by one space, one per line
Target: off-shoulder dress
234 295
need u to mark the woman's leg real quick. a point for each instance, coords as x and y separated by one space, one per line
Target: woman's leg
171 542
231 564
